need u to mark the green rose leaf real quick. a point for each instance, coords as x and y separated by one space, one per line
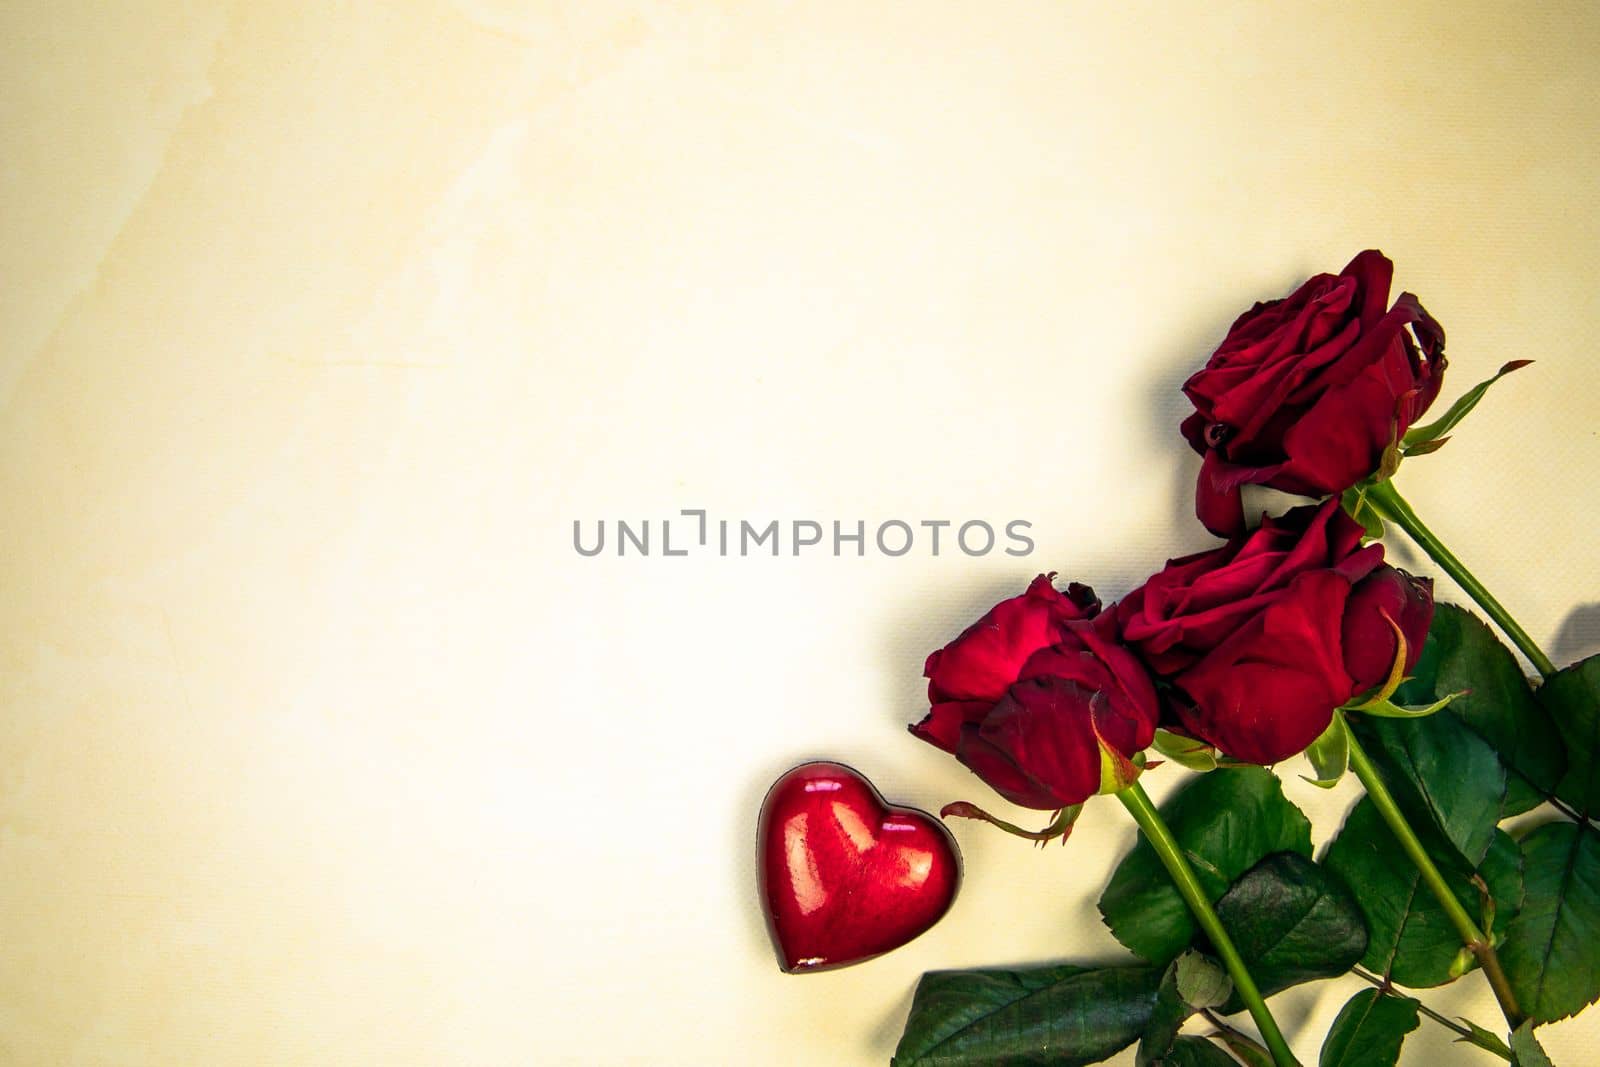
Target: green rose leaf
1526 1050
1226 822
1441 773
1060 1015
1552 948
1197 1052
1201 983
1463 656
1409 936
1294 922
1191 983
1369 1031
1572 698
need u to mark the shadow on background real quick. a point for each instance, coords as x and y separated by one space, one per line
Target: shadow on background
1579 636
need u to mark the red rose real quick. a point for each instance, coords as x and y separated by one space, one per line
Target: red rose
1305 393
1030 696
1262 638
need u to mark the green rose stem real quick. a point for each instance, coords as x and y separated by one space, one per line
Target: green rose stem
1388 502
1473 938
1138 803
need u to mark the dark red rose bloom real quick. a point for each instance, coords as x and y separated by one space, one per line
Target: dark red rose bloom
1029 695
1305 393
1262 638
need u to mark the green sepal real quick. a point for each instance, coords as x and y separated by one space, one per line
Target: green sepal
1330 754
1354 501
1060 826
1424 447
1434 431
1189 752
1117 772
1388 709
1397 669
1389 461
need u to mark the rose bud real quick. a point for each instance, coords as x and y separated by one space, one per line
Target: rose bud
1262 638
1305 393
1065 728
1385 600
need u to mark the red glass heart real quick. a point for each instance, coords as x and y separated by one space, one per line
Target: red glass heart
845 876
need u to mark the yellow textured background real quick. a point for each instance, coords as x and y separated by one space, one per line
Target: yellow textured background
320 324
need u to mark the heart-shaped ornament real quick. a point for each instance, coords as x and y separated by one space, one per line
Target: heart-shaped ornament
845 876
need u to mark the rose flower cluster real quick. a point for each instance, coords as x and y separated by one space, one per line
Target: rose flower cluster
1250 647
